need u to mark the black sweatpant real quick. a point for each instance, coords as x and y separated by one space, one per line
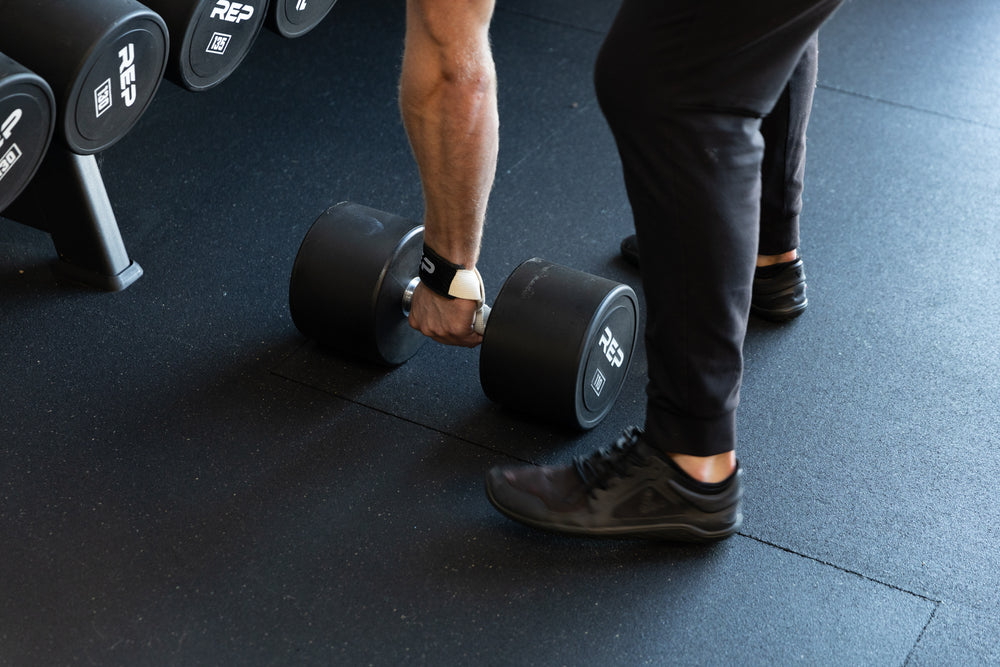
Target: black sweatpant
783 168
684 85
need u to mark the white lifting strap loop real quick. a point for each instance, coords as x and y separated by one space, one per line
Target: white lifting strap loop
468 284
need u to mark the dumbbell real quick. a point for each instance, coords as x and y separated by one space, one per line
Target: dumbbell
27 122
294 18
104 60
209 39
557 342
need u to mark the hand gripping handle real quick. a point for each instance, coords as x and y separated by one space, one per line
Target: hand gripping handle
482 312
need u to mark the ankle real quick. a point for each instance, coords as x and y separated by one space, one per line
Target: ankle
709 469
771 260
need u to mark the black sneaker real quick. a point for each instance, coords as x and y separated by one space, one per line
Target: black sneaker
626 490
779 291
630 250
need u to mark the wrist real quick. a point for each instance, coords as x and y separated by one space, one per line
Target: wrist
437 273
449 280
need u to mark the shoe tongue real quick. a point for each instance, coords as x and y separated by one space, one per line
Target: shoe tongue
607 461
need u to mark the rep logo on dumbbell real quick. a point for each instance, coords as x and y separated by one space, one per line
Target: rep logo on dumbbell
7 128
126 83
612 350
232 12
126 74
557 342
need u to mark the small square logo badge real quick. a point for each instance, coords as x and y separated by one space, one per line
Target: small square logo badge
9 159
102 98
219 43
597 382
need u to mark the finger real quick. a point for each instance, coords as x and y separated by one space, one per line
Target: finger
463 336
447 321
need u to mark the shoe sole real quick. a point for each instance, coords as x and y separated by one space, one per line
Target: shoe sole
782 315
667 532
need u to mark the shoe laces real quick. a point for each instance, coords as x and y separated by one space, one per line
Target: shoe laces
597 469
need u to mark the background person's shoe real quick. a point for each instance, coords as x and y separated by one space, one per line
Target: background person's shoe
626 490
630 250
779 291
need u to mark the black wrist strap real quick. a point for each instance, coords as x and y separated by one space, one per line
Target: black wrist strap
437 273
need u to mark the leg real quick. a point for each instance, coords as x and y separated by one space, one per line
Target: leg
779 288
783 169
779 294
683 90
687 128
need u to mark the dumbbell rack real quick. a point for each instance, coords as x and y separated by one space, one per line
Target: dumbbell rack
79 218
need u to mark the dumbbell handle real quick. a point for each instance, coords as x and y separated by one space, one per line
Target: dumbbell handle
482 315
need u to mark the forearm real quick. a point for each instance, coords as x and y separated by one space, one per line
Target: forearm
449 108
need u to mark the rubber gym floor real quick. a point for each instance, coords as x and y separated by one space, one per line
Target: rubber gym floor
186 480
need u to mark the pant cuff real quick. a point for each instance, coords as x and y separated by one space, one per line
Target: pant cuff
672 434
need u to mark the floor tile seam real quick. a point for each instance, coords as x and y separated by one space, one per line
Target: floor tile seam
923 631
845 570
908 107
550 21
276 372
433 429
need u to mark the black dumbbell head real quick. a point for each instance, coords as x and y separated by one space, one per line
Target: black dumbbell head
27 122
348 280
559 343
294 18
209 38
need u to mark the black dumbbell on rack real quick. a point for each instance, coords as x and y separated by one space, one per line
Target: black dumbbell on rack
27 123
557 342
209 39
294 18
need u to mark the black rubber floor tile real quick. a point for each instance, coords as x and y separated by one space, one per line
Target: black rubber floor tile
440 388
868 424
338 535
113 507
959 635
923 54
565 203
